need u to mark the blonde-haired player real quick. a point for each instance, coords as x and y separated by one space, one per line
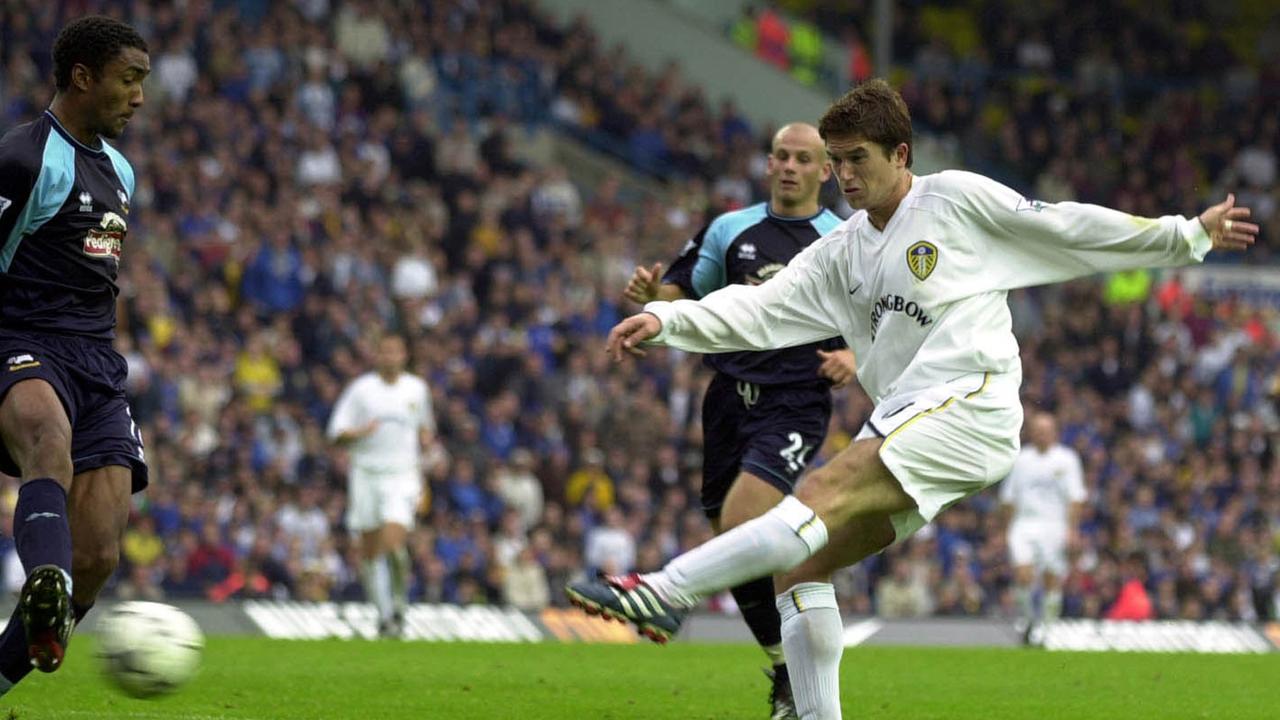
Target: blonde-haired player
1042 496
385 419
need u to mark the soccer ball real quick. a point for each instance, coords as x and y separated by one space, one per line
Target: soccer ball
149 648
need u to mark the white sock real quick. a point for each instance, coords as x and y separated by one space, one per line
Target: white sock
779 540
813 637
398 561
1051 606
377 585
1022 598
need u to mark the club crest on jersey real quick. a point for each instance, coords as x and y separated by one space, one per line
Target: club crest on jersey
922 258
107 239
124 201
747 251
86 202
1029 205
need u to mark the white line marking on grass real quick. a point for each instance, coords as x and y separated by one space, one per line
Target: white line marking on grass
858 633
176 715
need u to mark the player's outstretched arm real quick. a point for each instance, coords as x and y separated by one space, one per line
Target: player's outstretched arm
791 308
1027 242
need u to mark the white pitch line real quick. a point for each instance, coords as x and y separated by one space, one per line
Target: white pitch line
177 715
857 633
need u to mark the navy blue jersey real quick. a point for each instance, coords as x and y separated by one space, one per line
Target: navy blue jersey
749 246
63 212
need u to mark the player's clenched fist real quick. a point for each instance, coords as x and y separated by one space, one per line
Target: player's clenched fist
645 284
627 335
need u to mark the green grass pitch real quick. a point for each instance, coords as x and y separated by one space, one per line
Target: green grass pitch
264 679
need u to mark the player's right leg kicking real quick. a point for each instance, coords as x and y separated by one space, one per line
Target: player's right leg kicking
853 492
953 446
36 434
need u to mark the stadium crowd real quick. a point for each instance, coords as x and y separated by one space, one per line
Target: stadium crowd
313 172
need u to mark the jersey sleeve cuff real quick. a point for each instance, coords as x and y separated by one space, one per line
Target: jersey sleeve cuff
664 312
1197 237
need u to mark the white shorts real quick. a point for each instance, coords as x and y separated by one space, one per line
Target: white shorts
377 498
1042 547
947 442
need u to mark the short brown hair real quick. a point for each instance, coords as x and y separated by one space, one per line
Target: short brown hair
874 111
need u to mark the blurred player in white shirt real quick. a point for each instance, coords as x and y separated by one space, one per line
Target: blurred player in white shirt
1043 496
385 419
916 282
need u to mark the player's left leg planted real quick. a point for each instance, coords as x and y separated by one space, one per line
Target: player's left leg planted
748 498
36 434
866 495
812 629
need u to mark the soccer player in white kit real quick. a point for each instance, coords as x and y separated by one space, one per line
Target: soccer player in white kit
1042 496
386 420
916 282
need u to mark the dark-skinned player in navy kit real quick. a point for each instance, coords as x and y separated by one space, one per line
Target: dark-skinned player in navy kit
65 424
764 413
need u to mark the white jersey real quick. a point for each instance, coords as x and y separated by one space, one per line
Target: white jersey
402 409
1042 485
923 301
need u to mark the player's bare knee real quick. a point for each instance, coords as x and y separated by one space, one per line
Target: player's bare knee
821 489
46 453
39 439
853 484
839 500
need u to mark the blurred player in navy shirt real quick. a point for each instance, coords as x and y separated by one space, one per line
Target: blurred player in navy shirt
64 421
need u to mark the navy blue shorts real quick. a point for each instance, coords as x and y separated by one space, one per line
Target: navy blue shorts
770 431
88 376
